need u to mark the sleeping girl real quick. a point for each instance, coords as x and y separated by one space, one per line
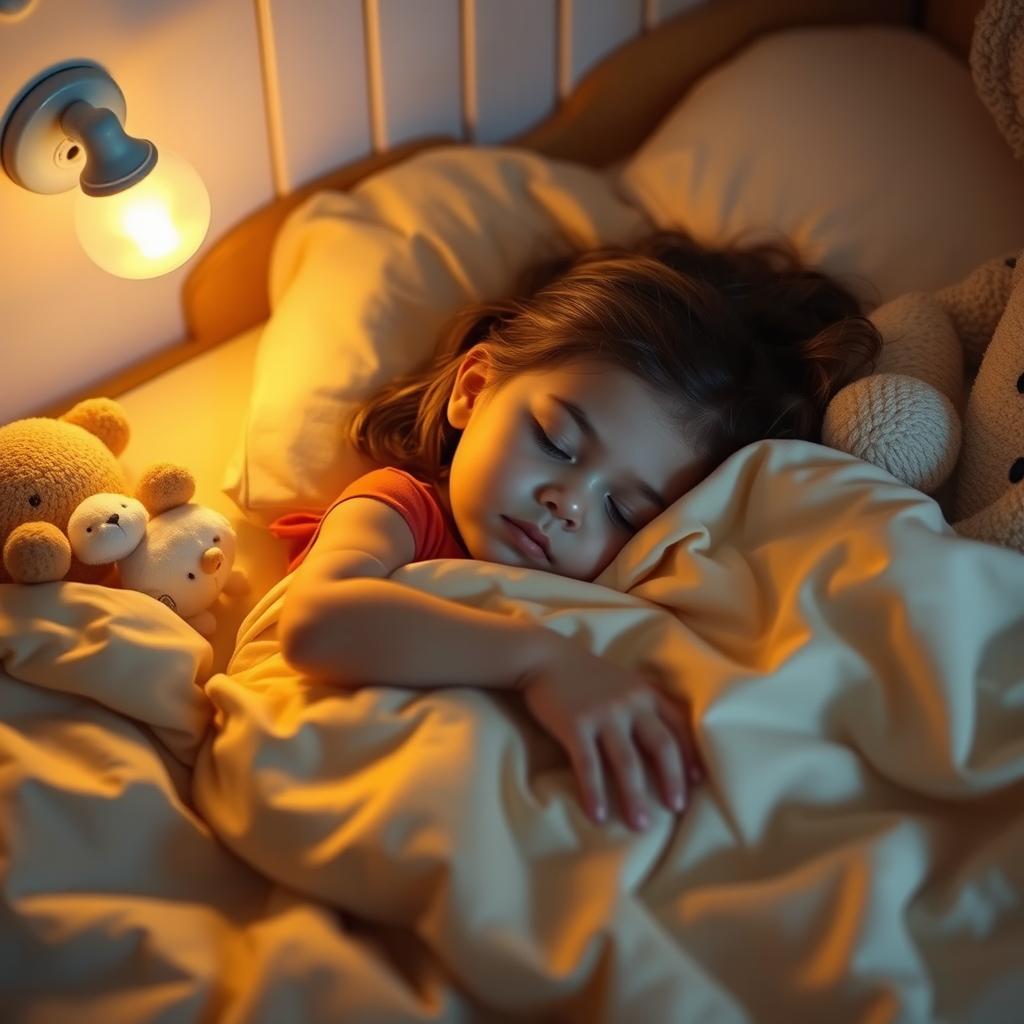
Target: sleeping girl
546 431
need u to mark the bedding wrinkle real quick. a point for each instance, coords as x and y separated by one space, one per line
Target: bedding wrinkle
978 894
846 927
128 637
866 936
830 961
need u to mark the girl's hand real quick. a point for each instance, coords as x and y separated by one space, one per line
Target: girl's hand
593 708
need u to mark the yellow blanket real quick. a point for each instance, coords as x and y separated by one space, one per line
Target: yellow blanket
857 675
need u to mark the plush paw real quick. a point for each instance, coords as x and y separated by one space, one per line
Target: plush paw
204 623
236 584
898 423
37 553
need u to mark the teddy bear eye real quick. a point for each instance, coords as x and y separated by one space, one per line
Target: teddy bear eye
216 540
88 529
123 505
35 501
191 575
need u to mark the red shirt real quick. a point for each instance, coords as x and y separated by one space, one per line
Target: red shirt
418 503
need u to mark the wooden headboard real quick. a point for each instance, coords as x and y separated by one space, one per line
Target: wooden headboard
604 119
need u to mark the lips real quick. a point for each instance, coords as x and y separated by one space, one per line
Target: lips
535 534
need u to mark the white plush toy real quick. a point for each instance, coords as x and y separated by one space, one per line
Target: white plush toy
180 553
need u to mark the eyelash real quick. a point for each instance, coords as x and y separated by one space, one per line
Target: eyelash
547 445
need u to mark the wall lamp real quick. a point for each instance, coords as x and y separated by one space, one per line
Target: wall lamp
139 213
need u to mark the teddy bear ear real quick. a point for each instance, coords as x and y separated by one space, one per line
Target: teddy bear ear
104 418
165 486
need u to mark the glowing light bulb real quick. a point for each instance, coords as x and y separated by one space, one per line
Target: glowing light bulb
148 229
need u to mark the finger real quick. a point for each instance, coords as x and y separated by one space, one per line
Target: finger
586 763
627 767
662 746
675 711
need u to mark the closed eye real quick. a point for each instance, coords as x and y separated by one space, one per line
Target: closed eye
547 445
616 516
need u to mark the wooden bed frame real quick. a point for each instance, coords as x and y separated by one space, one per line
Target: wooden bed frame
599 123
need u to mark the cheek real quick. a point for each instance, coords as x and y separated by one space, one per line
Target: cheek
481 486
488 460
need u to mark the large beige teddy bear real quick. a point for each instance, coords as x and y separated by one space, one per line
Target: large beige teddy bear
47 467
909 417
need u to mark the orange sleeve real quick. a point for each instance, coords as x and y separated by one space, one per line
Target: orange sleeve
409 497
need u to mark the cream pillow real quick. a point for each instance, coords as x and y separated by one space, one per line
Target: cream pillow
867 146
361 282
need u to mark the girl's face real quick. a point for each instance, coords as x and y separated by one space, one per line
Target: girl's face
582 456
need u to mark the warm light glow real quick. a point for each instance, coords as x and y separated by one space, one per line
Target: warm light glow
149 225
150 228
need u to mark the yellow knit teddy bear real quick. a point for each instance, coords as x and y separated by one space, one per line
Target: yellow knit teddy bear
906 417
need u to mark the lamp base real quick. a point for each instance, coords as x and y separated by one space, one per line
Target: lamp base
34 150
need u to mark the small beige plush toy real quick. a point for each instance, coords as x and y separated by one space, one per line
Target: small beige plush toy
178 552
906 417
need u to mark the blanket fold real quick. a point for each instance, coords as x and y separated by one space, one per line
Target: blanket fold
856 676
256 847
117 647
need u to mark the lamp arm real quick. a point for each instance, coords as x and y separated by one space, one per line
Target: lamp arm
115 160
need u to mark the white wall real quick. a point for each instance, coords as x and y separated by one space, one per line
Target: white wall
260 96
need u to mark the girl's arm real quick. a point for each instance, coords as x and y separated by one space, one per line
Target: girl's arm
345 622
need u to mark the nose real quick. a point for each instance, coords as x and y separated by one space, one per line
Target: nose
211 560
564 506
114 519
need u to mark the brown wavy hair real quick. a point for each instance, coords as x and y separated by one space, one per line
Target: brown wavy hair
745 343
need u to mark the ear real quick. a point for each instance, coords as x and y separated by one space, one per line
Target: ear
165 486
104 418
471 382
